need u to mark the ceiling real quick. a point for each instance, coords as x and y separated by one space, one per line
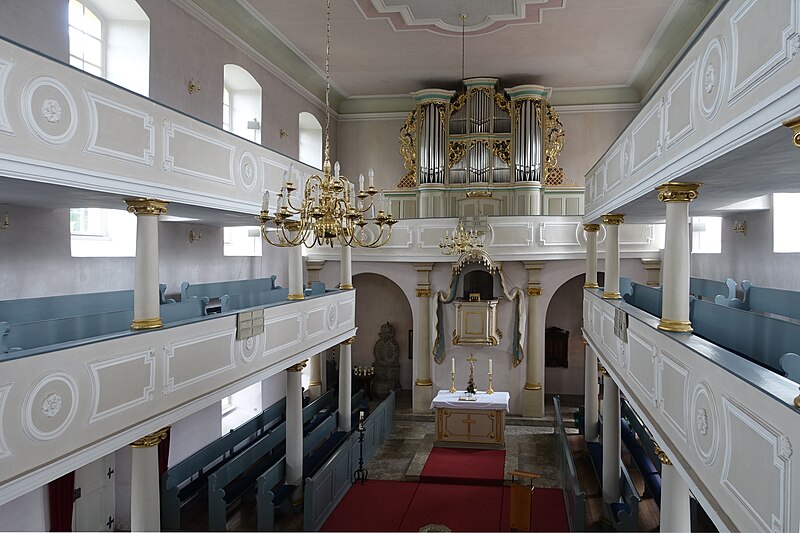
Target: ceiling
385 48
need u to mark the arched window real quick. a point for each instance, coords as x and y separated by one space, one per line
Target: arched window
111 39
310 149
243 103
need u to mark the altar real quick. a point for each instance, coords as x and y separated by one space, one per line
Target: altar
476 424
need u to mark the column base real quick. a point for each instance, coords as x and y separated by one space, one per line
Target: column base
591 286
612 296
296 297
675 326
533 400
147 323
422 396
345 287
314 389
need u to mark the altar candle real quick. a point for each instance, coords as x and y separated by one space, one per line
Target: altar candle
371 174
265 201
454 365
361 416
490 366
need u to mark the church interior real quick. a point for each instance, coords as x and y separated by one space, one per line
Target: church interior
399 265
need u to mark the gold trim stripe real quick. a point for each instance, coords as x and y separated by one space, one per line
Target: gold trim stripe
676 326
423 382
345 287
612 296
591 286
152 439
533 386
147 323
296 297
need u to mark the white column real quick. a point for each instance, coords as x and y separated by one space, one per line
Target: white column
533 391
423 385
533 394
611 288
315 379
675 289
294 428
345 383
591 255
146 310
346 280
145 487
611 440
296 273
675 513
591 392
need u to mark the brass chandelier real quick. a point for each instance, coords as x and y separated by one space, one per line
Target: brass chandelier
329 209
461 241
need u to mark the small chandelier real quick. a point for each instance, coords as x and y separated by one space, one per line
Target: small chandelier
461 241
329 209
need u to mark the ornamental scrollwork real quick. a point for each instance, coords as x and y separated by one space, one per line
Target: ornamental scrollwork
456 106
554 139
408 149
502 102
51 405
457 151
502 150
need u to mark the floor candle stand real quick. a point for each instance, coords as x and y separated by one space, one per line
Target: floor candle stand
361 473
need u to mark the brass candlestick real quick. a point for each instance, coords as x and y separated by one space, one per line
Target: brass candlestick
490 390
452 382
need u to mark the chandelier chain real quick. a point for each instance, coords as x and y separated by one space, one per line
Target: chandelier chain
327 80
463 39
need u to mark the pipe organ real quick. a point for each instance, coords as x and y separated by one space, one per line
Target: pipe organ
484 151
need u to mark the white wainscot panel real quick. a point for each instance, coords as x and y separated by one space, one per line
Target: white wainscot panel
646 137
402 237
713 73
512 235
673 389
199 156
636 234
315 322
756 466
764 35
5 69
678 123
431 233
49 110
192 361
119 131
4 451
282 333
597 321
641 365
559 234
614 168
610 341
121 382
347 314
599 181
705 424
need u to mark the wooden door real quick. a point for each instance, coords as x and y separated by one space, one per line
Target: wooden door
94 509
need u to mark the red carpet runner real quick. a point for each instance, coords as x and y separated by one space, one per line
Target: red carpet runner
464 501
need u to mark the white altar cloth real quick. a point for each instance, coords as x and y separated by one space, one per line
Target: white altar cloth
490 402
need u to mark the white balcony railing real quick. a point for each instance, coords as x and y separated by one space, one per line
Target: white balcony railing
65 408
728 425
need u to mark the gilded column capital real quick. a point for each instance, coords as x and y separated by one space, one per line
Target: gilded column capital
794 125
146 206
298 367
423 293
662 455
674 191
349 341
584 341
152 439
591 228
603 370
533 291
797 401
613 220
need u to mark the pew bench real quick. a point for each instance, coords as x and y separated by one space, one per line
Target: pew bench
217 289
185 480
320 444
234 478
272 493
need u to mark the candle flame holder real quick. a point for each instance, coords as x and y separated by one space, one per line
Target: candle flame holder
490 390
452 382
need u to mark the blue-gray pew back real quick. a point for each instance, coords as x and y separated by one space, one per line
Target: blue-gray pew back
185 479
69 305
648 299
780 302
219 288
759 338
710 288
574 496
325 489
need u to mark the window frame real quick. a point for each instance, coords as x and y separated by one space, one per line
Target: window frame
88 6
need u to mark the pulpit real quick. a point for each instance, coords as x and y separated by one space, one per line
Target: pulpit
474 424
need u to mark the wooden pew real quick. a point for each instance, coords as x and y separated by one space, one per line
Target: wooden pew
235 477
574 496
188 478
70 305
761 339
320 443
219 288
271 493
648 299
702 288
772 301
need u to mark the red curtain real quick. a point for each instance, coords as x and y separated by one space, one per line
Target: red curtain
163 454
60 492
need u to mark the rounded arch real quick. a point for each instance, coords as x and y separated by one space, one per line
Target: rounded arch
379 300
244 102
309 140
